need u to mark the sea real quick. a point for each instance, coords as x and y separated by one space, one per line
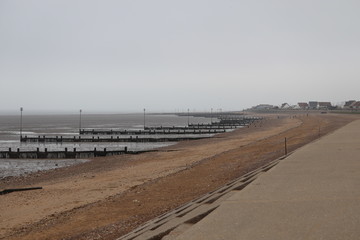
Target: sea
68 125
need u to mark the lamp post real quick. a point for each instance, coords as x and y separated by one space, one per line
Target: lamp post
188 118
80 122
21 111
144 118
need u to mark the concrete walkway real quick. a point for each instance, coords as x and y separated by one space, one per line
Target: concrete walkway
312 194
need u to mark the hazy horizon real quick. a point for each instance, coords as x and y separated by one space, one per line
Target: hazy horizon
123 56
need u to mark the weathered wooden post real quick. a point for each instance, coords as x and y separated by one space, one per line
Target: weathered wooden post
144 118
285 147
80 122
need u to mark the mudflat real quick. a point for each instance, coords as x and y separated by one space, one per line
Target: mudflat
108 197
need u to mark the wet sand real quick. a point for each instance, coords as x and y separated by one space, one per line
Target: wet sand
107 197
18 167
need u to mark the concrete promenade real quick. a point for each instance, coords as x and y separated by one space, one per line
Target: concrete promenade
312 194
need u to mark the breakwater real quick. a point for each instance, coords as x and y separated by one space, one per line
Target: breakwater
149 131
193 128
77 139
37 154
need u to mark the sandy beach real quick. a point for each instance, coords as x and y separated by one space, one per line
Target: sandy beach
108 197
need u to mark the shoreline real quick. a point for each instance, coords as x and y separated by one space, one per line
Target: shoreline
104 184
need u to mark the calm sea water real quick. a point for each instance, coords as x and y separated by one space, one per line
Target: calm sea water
68 125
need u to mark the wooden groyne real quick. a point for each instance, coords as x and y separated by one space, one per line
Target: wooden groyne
203 128
193 127
37 154
62 139
150 131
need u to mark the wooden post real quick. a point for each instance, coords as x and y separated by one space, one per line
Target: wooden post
144 119
285 147
80 122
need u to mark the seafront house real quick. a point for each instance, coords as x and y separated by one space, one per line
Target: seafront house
303 105
325 105
348 104
285 106
263 107
355 105
313 105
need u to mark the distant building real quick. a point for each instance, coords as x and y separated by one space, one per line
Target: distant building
263 107
349 103
285 106
303 105
313 105
325 105
355 105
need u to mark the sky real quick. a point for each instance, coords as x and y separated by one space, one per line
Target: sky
169 55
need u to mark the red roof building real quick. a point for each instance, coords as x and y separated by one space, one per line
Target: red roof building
303 105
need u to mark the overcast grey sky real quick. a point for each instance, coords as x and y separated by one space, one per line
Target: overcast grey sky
164 55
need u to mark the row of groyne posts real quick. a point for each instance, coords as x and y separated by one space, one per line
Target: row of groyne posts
99 135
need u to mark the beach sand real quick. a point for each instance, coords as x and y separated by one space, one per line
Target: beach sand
108 197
